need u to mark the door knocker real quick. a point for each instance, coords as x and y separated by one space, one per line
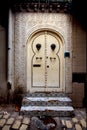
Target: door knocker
38 46
53 46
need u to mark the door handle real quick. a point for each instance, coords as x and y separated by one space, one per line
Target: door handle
52 58
38 58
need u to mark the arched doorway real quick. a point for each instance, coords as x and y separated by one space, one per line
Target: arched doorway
45 62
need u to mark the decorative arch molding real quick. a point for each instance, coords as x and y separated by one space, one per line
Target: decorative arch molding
58 31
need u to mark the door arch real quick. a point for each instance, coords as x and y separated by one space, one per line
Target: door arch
45 62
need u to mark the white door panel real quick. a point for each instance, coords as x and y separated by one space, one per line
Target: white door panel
53 72
38 62
46 63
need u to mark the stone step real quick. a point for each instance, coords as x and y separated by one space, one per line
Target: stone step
46 94
47 101
47 111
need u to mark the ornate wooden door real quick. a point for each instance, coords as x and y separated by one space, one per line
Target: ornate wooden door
46 62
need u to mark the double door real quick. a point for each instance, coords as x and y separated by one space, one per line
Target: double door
46 62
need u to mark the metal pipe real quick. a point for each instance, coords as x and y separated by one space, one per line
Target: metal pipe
9 47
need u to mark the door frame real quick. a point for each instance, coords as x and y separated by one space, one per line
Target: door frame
30 39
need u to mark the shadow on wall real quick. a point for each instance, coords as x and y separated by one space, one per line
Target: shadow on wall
79 8
16 96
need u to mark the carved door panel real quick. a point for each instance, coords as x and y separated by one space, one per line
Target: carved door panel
46 62
52 62
38 62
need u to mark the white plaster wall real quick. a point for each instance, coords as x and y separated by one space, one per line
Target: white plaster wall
25 25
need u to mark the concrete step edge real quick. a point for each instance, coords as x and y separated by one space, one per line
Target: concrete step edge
44 108
47 99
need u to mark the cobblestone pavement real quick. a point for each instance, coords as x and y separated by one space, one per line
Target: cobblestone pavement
11 120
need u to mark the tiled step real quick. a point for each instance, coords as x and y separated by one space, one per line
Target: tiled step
46 94
47 110
43 101
47 104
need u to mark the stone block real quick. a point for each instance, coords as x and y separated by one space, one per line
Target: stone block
75 120
10 121
6 116
26 121
6 127
83 123
19 117
68 124
2 122
23 127
16 125
78 127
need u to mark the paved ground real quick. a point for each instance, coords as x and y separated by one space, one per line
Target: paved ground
11 120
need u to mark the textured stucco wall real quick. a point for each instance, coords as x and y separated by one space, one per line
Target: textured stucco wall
25 25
